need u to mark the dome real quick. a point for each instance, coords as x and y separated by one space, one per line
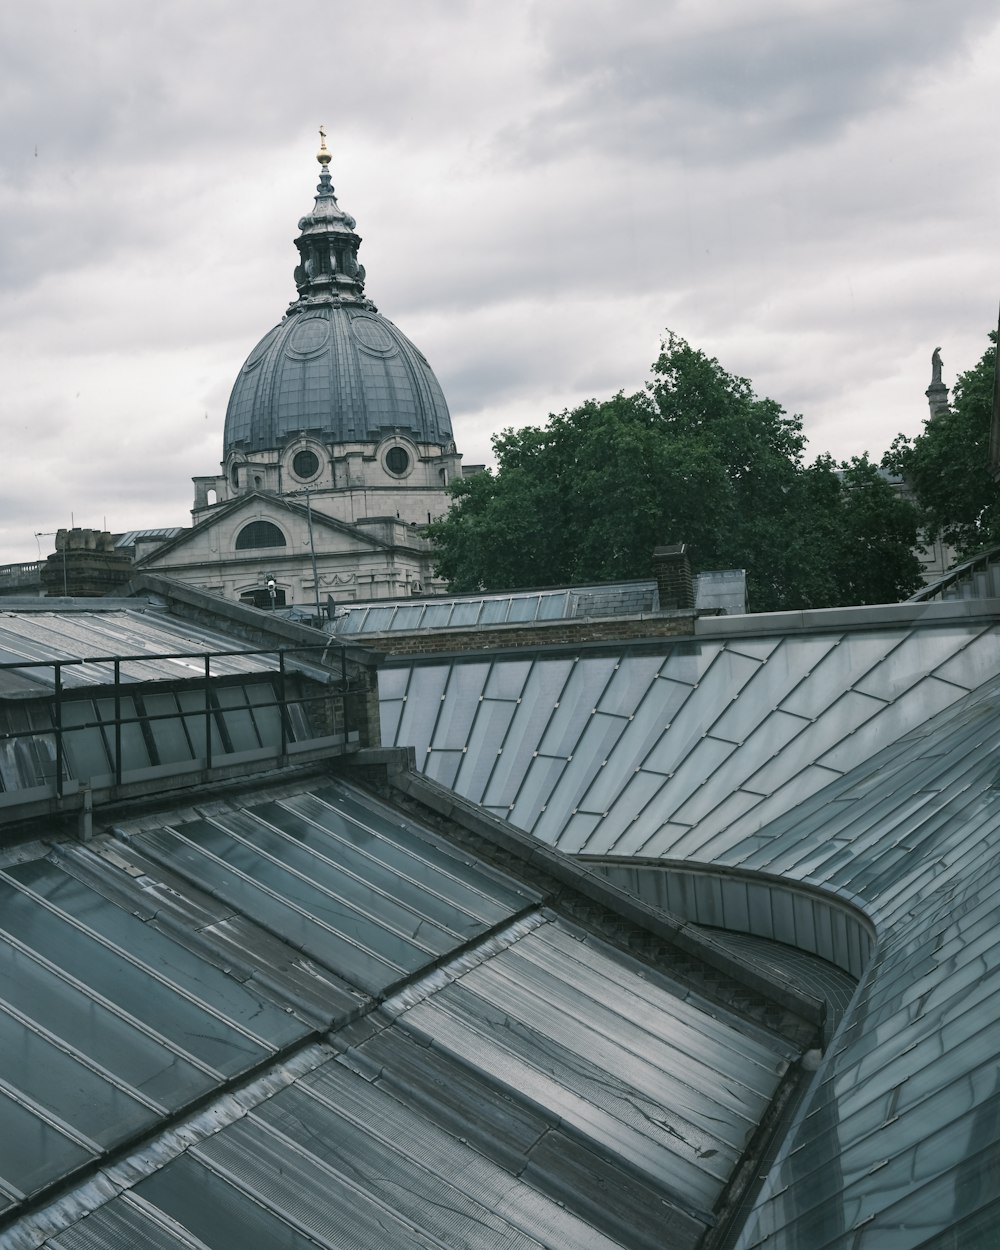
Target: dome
339 372
333 368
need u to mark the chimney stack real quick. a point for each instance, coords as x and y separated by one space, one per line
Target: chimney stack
672 571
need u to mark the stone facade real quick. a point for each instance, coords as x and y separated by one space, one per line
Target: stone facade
381 557
84 564
352 482
337 449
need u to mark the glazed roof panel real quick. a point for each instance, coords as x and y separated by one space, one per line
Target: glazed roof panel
46 636
526 1085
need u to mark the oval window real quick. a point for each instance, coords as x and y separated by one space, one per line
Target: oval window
396 460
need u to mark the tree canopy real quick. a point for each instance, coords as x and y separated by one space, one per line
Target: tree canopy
695 457
947 466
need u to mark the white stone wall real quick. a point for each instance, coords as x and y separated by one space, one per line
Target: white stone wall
352 481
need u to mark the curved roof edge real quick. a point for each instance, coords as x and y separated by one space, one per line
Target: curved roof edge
851 752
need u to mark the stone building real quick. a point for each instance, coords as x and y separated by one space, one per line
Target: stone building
337 448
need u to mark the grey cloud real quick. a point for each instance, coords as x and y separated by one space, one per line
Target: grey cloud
668 83
542 187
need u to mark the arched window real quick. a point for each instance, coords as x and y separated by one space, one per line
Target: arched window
259 534
261 598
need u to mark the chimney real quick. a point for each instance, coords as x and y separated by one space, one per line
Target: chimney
672 570
85 563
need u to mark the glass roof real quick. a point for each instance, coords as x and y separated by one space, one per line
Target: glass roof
375 904
308 1018
452 613
47 635
714 590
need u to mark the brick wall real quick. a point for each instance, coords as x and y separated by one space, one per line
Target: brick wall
672 571
535 634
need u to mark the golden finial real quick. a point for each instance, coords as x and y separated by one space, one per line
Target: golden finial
323 155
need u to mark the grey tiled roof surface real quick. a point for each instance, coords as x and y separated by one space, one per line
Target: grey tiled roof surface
828 780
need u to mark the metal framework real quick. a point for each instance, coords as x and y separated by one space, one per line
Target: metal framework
279 677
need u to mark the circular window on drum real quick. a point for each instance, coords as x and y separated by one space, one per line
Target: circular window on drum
397 460
305 464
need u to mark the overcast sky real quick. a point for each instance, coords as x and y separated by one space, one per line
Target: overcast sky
805 189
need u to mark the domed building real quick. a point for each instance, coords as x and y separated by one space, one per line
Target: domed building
337 446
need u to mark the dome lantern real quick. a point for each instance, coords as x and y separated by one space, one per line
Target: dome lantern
333 368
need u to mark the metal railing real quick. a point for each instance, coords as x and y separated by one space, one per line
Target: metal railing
290 677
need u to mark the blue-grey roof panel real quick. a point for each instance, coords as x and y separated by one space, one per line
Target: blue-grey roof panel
370 900
529 1086
316 372
857 761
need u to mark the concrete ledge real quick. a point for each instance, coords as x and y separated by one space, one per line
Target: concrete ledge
875 616
17 806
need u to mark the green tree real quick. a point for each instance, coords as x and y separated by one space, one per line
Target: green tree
695 457
878 531
947 466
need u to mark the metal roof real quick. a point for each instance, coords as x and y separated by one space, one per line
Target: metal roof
344 374
309 1019
92 633
633 751
333 367
825 779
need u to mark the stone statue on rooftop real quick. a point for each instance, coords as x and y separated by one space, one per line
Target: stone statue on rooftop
937 392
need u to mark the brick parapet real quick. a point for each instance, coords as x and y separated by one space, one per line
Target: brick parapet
536 634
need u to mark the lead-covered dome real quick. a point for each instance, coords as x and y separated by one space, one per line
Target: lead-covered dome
340 373
333 368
